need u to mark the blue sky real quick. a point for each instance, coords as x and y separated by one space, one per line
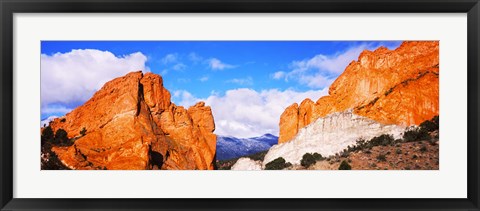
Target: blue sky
269 75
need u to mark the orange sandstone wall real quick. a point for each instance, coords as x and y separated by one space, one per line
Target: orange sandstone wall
390 86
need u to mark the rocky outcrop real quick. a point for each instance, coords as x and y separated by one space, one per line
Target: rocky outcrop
131 124
329 135
244 164
389 86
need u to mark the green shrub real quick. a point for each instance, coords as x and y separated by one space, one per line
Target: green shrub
49 160
61 138
83 131
345 153
361 144
382 157
47 135
318 157
344 166
430 125
398 151
416 134
277 164
382 140
436 120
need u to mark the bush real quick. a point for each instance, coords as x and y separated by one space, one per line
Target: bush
382 157
430 125
436 120
50 161
361 144
318 156
277 164
398 151
345 153
416 134
61 138
47 135
83 131
344 166
307 160
383 140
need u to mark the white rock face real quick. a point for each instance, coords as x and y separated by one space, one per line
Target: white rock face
330 135
247 164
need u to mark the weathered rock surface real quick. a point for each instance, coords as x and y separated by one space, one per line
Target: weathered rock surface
131 124
329 135
389 86
244 164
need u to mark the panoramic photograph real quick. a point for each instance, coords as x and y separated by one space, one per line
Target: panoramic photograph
239 105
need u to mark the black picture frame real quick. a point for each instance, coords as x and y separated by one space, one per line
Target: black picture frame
9 7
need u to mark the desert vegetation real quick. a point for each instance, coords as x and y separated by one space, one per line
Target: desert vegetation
309 159
49 160
418 149
277 164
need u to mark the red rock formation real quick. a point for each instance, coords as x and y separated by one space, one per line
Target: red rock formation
390 86
131 124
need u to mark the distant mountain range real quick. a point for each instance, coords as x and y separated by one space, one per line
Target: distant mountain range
230 147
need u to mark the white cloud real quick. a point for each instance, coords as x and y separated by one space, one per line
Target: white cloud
74 76
51 109
248 81
183 80
278 75
333 64
321 70
194 57
248 113
179 66
184 98
47 121
173 62
316 81
245 112
204 78
164 72
216 64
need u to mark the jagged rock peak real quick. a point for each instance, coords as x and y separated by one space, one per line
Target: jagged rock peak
397 86
131 123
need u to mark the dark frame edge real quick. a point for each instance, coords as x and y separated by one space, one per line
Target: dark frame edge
6 114
473 30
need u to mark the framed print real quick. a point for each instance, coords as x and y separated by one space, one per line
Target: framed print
239 105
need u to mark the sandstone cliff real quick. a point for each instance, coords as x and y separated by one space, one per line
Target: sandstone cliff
131 124
389 86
